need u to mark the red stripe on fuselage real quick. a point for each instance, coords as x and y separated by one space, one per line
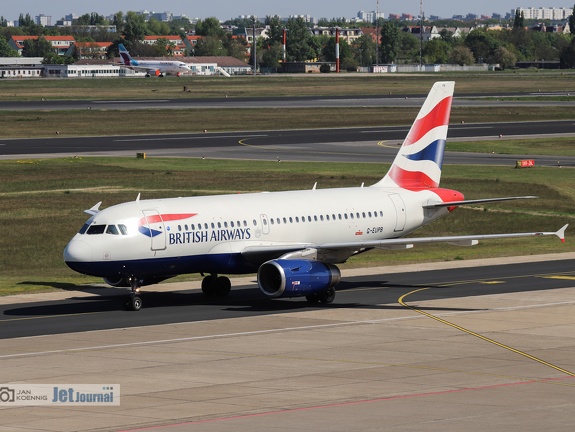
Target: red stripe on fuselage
167 217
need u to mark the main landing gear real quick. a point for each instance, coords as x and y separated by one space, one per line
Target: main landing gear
135 301
324 297
216 286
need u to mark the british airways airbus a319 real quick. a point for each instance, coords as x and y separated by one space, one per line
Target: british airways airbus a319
292 240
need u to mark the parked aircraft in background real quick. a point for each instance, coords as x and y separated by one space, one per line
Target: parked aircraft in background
293 239
153 67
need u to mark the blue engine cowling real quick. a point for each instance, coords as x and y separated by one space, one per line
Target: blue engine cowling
295 278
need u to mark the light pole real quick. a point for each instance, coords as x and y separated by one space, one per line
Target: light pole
254 45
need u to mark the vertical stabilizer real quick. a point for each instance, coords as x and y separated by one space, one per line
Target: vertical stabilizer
125 56
419 160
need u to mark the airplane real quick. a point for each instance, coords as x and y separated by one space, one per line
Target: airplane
153 67
292 239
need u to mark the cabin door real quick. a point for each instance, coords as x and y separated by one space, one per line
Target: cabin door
399 212
155 229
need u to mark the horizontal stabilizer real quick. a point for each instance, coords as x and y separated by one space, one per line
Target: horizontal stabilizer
477 201
94 210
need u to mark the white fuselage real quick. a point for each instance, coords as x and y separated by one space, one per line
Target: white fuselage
163 67
208 234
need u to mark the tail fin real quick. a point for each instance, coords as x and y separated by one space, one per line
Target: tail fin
125 55
419 160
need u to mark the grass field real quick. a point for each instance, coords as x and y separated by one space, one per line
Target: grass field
42 201
24 124
283 85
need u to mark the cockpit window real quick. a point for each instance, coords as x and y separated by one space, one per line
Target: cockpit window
111 229
123 229
96 229
84 228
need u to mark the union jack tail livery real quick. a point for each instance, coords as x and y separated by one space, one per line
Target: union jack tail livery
418 163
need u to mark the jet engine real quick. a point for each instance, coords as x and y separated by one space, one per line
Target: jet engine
295 278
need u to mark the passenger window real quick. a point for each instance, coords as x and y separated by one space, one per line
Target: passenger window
111 229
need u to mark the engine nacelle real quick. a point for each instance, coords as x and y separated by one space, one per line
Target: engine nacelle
295 278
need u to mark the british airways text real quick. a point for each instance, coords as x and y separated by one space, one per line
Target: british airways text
209 236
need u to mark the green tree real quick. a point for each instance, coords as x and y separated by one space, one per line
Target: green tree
436 51
298 40
504 57
272 55
210 27
276 28
408 47
237 47
210 46
461 55
389 42
572 22
483 45
567 58
157 28
364 50
118 21
519 21
135 27
328 51
6 50
37 48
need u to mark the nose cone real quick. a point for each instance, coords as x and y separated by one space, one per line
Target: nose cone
77 252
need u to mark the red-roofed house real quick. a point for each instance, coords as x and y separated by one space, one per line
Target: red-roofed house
60 44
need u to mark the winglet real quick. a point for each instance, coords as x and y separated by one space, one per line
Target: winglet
561 233
94 210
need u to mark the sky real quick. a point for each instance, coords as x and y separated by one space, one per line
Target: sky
226 9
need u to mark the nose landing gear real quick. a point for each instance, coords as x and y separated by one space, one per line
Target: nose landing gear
135 301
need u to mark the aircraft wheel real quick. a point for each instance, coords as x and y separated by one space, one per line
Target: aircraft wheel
222 286
134 304
209 286
327 296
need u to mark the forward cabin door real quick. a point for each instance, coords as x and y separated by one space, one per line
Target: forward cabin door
156 229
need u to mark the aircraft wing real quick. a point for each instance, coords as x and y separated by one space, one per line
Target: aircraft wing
476 201
467 240
272 251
